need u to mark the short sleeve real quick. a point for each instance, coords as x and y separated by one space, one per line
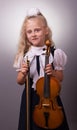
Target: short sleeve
18 62
60 59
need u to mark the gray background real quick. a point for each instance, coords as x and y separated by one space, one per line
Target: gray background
62 18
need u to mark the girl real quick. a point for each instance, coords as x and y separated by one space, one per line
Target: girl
34 33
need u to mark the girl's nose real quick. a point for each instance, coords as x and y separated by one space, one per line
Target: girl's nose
33 33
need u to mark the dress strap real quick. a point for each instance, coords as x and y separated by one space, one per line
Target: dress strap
38 65
52 52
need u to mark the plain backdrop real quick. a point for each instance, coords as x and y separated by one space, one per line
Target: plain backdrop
62 18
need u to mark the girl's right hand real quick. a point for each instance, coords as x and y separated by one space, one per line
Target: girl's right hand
22 72
24 68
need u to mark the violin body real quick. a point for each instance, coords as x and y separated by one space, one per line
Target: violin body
47 114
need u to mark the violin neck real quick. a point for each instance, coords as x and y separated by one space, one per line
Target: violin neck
46 80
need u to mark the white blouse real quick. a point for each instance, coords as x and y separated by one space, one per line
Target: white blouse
59 61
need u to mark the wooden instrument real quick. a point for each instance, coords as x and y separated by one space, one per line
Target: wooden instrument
28 93
48 114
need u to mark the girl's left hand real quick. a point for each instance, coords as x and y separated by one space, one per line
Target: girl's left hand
49 69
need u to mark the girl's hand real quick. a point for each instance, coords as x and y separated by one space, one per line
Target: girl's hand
49 69
22 72
24 68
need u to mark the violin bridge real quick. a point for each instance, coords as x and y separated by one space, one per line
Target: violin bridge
45 105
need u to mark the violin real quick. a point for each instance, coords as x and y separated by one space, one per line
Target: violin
47 113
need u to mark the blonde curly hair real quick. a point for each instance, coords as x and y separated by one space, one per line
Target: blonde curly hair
23 44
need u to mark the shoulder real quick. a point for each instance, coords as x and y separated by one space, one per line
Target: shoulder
60 59
59 50
60 53
18 61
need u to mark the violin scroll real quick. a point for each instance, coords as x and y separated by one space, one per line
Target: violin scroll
48 43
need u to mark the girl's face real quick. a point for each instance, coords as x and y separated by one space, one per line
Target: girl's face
36 31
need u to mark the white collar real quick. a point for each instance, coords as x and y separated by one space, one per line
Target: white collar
37 50
34 51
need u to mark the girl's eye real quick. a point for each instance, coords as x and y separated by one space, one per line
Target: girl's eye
29 31
37 30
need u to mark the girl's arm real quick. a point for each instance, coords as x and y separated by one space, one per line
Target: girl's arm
21 76
60 60
58 74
